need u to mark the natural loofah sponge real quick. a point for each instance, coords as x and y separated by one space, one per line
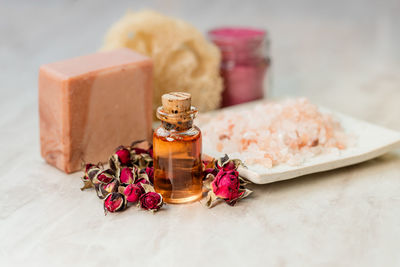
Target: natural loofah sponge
183 59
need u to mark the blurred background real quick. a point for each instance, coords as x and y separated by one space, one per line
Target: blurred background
342 54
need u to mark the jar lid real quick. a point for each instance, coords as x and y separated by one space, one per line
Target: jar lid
240 43
234 35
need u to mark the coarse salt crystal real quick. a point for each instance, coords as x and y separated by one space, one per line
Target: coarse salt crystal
291 132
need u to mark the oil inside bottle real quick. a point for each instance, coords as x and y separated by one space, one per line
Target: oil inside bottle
178 168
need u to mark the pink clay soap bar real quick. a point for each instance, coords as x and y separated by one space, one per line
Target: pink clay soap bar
89 105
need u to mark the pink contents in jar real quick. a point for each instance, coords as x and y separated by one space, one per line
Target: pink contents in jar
244 63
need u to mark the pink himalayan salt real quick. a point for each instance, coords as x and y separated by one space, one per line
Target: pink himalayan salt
273 133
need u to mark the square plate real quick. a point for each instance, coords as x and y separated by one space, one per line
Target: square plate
371 141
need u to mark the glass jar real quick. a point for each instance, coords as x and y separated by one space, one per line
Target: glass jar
244 64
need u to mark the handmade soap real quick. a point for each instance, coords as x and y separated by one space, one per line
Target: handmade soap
89 105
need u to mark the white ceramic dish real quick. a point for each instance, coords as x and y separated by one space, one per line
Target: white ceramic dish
371 141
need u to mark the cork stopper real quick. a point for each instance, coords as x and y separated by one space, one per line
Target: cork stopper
176 102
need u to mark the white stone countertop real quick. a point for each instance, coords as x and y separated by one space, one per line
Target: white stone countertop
343 55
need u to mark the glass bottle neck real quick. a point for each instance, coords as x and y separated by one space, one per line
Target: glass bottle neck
177 121
179 127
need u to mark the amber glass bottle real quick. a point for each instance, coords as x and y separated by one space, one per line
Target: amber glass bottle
177 150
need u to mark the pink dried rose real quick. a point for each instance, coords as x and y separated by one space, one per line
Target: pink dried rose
142 153
114 202
209 168
132 193
136 173
229 166
124 155
127 175
226 164
151 201
90 171
104 177
141 181
104 190
143 160
226 185
87 168
121 158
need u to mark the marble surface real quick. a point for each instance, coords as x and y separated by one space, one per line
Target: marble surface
341 54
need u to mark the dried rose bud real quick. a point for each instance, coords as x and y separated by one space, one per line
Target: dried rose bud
104 189
150 173
93 171
142 153
123 154
151 201
209 168
141 181
226 185
87 183
90 171
88 167
114 202
120 158
103 177
142 178
132 193
142 160
128 175
227 164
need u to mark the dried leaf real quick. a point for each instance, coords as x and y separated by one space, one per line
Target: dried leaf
238 163
86 185
246 193
98 191
207 182
145 160
114 163
148 188
223 160
93 172
243 181
121 189
211 199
